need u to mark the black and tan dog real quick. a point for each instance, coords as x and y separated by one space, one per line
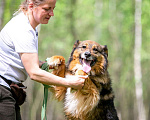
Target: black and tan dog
95 100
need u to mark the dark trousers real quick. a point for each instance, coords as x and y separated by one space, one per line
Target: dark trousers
8 108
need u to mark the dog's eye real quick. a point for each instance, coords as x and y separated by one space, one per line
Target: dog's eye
95 49
83 46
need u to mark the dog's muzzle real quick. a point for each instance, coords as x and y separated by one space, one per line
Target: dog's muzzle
87 61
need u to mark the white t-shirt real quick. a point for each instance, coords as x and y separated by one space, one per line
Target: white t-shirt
16 37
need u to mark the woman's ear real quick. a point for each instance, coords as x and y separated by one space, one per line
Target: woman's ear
30 6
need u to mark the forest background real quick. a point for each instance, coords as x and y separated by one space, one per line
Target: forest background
122 25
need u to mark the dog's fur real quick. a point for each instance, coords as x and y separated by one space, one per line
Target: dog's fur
95 100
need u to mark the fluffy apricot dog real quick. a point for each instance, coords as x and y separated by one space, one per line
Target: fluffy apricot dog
95 101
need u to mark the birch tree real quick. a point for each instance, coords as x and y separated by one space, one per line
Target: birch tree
137 61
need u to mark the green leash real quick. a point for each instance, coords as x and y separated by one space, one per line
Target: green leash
45 67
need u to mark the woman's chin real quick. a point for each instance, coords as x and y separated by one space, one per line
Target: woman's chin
45 21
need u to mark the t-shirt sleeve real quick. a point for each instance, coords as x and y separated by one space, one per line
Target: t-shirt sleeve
25 42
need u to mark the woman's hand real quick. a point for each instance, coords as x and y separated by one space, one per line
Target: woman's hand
76 82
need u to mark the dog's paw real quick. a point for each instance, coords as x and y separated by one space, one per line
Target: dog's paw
80 72
55 61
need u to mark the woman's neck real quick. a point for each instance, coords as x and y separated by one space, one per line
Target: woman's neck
31 19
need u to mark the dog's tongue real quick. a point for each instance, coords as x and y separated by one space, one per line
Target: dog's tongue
86 66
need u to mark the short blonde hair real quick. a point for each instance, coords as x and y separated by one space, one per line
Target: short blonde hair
24 5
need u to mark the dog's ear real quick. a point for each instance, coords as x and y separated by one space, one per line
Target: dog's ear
105 50
75 46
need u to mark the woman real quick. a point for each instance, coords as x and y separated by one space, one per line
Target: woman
19 54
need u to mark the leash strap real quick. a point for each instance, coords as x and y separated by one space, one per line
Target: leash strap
45 67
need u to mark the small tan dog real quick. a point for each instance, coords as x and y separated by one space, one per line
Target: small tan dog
95 100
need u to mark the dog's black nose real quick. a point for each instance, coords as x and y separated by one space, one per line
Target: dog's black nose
87 54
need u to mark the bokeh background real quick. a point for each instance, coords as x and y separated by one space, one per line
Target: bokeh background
122 25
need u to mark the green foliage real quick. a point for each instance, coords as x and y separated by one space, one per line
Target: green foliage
109 23
11 6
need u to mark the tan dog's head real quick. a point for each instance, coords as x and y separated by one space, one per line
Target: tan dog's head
88 56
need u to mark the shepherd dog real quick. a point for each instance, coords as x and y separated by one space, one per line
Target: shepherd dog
95 101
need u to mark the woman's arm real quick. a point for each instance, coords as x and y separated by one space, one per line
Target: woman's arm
31 64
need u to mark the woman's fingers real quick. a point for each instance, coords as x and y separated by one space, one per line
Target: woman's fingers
77 82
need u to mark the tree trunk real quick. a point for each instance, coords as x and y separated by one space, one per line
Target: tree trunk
72 18
2 5
98 14
137 61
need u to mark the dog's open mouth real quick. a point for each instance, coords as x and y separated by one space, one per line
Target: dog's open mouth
87 63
